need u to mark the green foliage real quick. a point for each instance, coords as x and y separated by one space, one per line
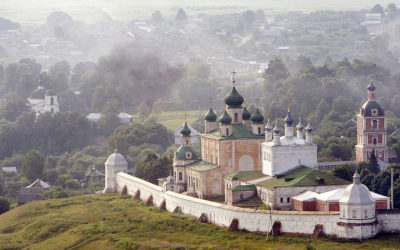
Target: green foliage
55 193
72 184
264 207
153 167
33 165
13 108
4 205
110 220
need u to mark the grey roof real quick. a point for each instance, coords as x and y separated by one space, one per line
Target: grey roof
93 172
116 159
357 193
50 92
39 184
268 126
368 106
39 93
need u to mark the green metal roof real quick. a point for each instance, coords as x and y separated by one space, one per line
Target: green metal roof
211 116
202 166
242 174
246 114
234 99
225 118
244 188
239 132
186 130
181 153
301 177
257 117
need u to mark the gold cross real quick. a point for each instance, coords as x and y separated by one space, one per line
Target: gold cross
211 101
233 77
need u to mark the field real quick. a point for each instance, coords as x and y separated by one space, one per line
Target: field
114 221
172 119
29 12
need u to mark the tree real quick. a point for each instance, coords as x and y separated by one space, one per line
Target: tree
181 15
153 168
157 17
344 171
33 165
55 193
378 9
13 108
4 205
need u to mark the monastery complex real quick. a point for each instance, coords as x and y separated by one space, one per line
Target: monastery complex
244 159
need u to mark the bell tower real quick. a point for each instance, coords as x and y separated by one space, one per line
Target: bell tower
371 129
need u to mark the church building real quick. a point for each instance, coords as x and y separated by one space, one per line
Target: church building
371 129
42 100
241 156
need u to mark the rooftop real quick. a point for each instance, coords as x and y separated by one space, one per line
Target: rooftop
301 177
202 166
239 132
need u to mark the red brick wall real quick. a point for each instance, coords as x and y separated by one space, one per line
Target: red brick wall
381 204
333 206
320 205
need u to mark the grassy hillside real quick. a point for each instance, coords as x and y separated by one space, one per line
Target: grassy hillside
114 221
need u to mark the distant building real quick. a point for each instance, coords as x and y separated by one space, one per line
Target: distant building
42 100
92 175
371 129
123 117
32 192
10 169
195 135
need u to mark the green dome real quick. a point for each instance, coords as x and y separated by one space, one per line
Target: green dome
246 114
186 130
257 117
211 116
234 99
225 118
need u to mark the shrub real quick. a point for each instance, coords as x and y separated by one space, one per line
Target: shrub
4 205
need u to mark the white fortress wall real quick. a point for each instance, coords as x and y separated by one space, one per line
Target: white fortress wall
389 221
292 222
146 188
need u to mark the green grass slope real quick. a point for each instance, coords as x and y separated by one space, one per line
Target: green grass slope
114 221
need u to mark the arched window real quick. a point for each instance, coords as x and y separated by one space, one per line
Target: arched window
236 117
374 124
374 141
227 131
52 110
259 130
51 101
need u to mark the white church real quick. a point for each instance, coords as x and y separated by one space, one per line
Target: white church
42 100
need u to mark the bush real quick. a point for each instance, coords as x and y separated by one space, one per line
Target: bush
4 205
55 193
72 184
264 207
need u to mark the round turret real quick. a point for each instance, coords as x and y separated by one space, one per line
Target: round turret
257 117
234 99
211 116
246 114
116 159
357 193
186 130
225 118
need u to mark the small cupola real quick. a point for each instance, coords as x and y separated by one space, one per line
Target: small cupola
268 131
210 121
225 124
276 135
257 123
371 91
300 129
185 135
246 117
288 124
309 130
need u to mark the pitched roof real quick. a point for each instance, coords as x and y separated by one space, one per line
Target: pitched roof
243 175
202 166
302 177
239 132
244 188
39 184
